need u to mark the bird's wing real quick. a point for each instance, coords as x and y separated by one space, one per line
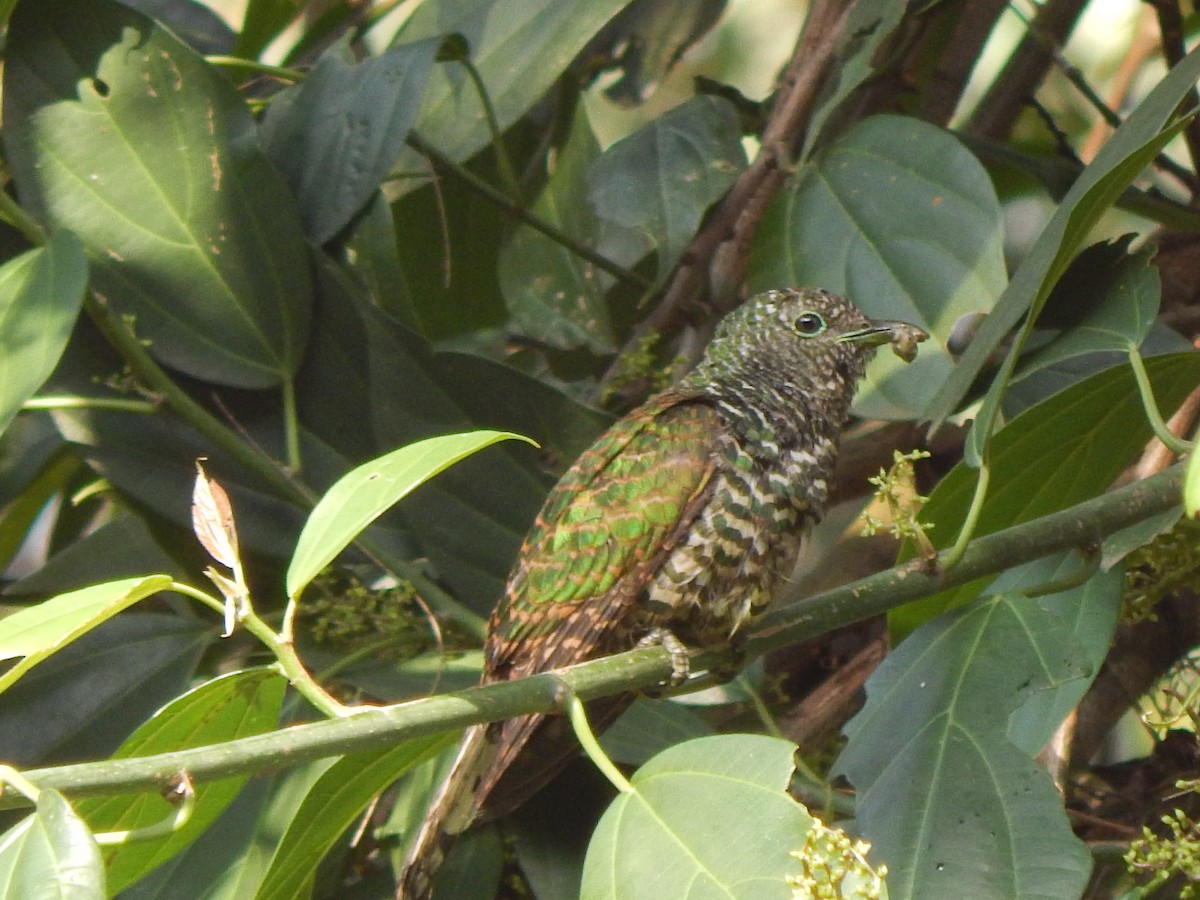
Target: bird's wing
600 536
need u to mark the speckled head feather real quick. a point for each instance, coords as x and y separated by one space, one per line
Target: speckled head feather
681 518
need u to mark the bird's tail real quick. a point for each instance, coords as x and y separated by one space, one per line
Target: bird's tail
451 811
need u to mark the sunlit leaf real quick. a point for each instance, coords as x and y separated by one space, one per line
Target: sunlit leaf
196 235
364 494
331 806
51 854
710 817
35 633
228 707
519 49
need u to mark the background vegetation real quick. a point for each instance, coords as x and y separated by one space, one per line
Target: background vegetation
297 240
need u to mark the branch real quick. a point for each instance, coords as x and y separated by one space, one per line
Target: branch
1080 526
997 112
717 254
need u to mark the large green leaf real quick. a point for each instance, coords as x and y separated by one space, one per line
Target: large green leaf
1119 161
40 294
332 804
365 493
1059 452
709 818
519 50
122 134
1109 300
646 193
901 218
949 804
660 180
1090 611
335 136
52 855
231 706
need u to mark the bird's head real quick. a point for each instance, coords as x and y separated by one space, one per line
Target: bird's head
799 343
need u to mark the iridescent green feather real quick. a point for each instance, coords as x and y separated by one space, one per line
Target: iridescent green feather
616 508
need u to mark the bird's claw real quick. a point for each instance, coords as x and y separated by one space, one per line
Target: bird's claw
681 663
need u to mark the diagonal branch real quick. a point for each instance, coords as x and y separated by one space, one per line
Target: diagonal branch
1082 526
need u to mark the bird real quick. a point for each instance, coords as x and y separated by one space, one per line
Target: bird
676 524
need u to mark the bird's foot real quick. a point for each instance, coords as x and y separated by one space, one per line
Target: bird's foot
681 663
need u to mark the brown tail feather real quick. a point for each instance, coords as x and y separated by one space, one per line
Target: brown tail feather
451 812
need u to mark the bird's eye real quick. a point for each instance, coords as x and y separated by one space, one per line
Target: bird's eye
809 324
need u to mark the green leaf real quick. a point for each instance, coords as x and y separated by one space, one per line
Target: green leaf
262 22
1090 611
196 235
18 516
901 218
710 817
40 295
228 707
519 49
332 804
39 631
336 134
51 854
552 294
647 192
1119 161
661 179
1059 452
1111 300
470 521
365 493
647 39
948 803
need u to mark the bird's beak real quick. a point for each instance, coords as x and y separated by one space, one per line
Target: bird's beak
902 336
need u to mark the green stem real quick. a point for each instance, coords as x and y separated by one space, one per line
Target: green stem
284 652
15 215
507 174
951 558
577 712
163 828
489 193
1172 442
770 726
291 426
1085 524
239 63
140 407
